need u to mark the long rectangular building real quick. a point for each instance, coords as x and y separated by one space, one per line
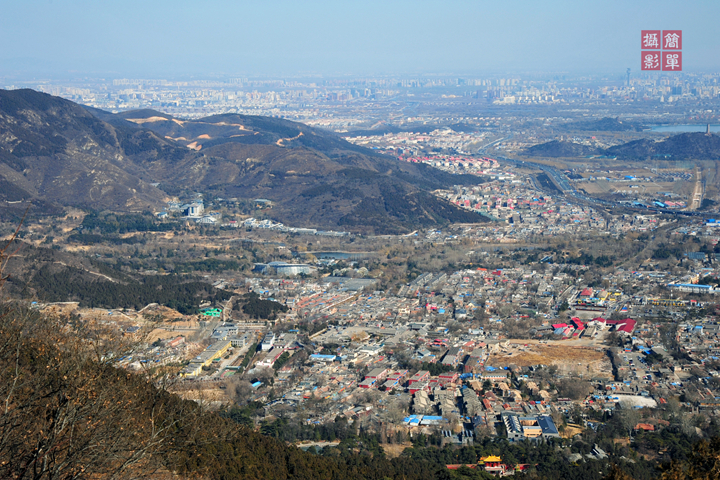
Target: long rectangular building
535 427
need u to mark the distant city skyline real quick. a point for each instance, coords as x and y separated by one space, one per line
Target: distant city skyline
60 39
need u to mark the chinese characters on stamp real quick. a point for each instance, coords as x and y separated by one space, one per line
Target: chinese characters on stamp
661 50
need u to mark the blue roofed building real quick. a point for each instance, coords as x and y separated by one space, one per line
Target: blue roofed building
531 427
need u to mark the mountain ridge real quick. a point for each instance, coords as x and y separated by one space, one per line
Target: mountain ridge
684 146
55 150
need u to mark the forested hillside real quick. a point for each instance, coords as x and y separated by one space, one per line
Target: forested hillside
49 275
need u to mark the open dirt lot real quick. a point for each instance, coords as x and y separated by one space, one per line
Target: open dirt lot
649 188
568 359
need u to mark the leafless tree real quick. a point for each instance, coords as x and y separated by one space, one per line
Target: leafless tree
574 388
68 412
68 415
629 418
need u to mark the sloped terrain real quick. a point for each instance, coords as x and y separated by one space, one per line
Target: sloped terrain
55 151
685 146
315 177
557 149
48 275
70 413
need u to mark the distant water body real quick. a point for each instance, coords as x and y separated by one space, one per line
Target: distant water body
684 128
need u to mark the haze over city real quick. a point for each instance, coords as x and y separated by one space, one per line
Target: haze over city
170 38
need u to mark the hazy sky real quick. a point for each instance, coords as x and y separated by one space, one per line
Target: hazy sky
166 38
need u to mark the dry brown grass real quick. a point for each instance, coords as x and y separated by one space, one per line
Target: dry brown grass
394 450
570 432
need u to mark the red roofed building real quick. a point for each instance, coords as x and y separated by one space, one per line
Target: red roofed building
417 386
448 377
176 341
627 325
377 374
421 376
399 375
645 427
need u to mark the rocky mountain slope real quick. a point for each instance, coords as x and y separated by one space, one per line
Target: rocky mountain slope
556 149
685 146
56 151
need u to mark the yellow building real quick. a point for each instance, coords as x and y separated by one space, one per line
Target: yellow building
216 350
531 428
192 370
491 459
